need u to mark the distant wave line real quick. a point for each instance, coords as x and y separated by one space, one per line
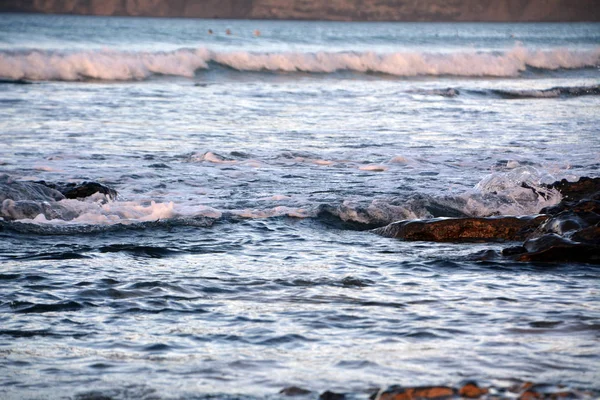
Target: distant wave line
113 65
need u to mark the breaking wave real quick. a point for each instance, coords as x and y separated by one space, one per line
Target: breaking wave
521 191
115 65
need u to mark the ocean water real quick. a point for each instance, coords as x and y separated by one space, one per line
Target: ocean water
238 258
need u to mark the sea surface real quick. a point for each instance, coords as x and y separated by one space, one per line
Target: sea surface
238 259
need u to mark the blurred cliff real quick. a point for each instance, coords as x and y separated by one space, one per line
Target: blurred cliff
342 10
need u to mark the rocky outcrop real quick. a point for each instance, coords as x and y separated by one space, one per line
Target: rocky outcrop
464 229
27 200
466 390
569 231
82 190
471 390
340 10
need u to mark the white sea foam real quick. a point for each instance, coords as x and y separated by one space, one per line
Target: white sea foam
120 65
520 191
373 168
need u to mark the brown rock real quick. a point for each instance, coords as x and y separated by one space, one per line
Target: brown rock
463 229
472 391
530 395
413 393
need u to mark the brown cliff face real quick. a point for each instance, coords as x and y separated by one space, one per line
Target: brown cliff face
341 10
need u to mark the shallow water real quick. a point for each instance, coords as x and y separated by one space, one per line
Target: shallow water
237 258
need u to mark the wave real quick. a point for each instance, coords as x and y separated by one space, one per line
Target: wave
520 191
561 91
113 65
551 93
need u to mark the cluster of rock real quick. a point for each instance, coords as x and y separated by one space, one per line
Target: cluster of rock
569 231
27 200
468 390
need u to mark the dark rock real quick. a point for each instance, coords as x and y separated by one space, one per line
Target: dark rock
411 393
81 190
17 190
327 395
554 248
484 255
464 229
514 250
589 205
574 191
27 200
562 224
589 235
20 209
294 391
11 210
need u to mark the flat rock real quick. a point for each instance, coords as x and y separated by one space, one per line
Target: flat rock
413 393
464 229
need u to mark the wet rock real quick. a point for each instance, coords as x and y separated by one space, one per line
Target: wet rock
327 395
464 229
413 393
17 191
11 210
566 222
27 200
20 209
294 391
81 190
589 235
514 250
471 390
582 206
554 248
566 232
530 391
574 191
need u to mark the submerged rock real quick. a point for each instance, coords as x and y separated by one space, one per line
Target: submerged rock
464 229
